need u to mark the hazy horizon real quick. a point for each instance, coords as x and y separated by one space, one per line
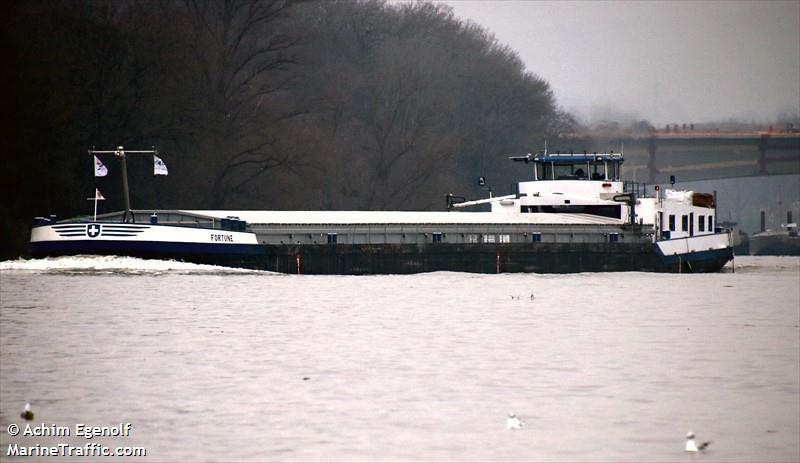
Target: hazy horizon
666 62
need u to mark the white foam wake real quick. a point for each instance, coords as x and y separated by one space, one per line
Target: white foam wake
114 265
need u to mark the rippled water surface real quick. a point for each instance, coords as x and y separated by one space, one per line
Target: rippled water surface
219 365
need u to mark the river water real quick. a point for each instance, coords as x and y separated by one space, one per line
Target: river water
208 364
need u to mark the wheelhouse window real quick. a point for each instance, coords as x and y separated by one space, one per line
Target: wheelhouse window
701 224
684 223
711 223
576 167
570 171
672 222
565 172
597 171
613 170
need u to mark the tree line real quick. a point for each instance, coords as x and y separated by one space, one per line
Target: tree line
273 104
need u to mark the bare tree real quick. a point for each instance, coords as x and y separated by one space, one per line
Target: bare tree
240 58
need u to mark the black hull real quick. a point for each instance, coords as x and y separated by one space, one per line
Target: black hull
355 259
480 258
775 245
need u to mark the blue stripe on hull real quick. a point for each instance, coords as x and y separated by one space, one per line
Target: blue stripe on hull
698 261
240 255
698 256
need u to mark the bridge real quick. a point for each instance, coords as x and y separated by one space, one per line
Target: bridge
703 156
756 174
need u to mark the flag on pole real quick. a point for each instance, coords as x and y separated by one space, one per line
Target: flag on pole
159 168
97 197
99 169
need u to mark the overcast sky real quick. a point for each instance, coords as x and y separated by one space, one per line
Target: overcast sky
667 62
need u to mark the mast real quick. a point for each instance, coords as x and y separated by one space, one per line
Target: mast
120 153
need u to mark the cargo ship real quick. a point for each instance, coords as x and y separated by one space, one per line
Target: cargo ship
782 242
575 214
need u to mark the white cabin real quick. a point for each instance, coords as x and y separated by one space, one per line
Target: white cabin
589 183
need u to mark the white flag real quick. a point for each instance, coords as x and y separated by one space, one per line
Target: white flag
159 168
99 169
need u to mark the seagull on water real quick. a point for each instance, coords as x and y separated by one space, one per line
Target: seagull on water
691 444
513 422
27 414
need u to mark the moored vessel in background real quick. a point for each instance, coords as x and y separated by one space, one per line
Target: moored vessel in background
575 215
783 242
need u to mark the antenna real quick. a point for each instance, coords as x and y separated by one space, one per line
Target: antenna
545 147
